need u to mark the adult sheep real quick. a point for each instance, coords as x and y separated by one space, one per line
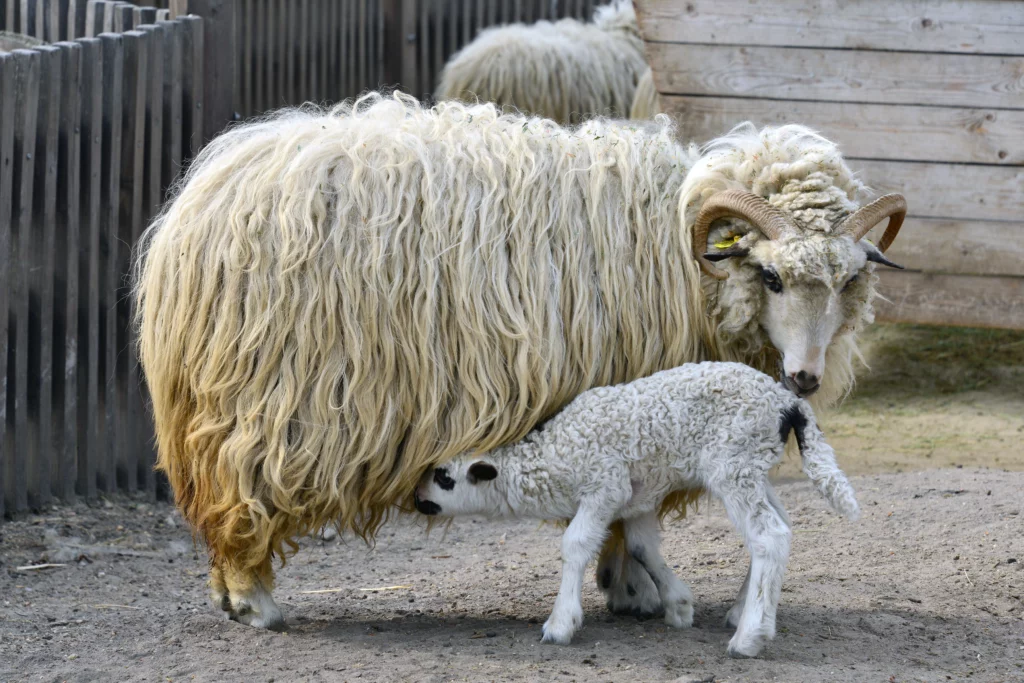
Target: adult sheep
336 301
646 101
566 70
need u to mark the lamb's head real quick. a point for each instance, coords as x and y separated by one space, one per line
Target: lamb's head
800 284
464 486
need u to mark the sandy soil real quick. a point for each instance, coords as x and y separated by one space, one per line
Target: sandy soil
927 586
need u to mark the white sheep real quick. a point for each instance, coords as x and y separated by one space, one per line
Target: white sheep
334 301
566 70
615 453
646 100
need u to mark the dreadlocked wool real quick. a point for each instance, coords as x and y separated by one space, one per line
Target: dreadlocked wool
566 70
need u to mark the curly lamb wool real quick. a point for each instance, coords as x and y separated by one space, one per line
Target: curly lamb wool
335 301
646 101
566 70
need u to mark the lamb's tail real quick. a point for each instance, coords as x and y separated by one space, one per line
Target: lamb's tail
819 459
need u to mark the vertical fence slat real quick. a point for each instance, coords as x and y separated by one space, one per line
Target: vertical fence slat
8 86
57 23
298 51
113 98
44 216
259 49
28 17
153 197
27 66
65 351
89 267
94 18
323 22
133 149
76 19
191 85
172 135
247 27
332 73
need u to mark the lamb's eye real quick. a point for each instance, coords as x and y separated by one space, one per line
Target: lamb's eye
850 282
442 479
771 280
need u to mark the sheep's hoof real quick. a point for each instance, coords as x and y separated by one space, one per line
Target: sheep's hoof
744 648
679 614
559 628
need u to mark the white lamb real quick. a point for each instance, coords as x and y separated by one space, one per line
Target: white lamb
617 452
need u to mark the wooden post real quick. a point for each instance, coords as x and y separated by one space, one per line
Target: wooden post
7 89
218 60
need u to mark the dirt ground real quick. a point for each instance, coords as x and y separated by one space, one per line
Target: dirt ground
927 586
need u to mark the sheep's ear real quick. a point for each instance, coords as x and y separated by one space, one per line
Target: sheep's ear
876 256
481 471
722 254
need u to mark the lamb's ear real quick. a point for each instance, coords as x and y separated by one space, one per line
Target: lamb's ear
481 471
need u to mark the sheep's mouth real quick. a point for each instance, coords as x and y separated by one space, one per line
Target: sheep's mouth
788 382
427 507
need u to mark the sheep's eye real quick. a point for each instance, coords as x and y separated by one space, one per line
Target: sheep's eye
771 280
850 282
442 479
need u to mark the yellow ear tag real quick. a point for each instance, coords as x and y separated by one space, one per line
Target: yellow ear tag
728 241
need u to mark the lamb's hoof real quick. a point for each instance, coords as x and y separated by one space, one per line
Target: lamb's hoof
732 618
258 611
745 648
559 629
679 614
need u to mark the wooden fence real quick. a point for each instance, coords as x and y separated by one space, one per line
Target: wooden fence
924 96
95 126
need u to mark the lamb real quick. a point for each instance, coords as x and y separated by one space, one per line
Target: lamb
334 301
615 453
566 71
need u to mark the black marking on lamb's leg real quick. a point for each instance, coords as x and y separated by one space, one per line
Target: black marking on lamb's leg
638 555
606 578
630 590
225 602
792 419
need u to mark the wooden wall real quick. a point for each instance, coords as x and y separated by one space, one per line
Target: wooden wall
925 97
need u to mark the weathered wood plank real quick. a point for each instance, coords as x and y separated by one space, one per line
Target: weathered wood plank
978 26
874 131
259 49
172 102
94 16
964 300
958 247
191 85
89 415
994 193
44 217
26 94
66 287
299 49
113 106
8 86
29 19
57 22
838 75
246 29
130 222
152 199
124 17
76 19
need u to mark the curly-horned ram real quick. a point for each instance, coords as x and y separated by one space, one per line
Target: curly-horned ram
615 453
336 300
566 71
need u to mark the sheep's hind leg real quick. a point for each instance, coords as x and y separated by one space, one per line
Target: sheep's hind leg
627 586
732 618
643 542
246 595
767 535
580 543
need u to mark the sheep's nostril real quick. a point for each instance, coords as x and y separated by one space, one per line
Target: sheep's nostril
803 384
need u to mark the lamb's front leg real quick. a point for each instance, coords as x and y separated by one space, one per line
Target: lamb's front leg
580 543
642 542
766 531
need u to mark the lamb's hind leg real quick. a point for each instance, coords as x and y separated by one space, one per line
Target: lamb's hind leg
767 534
246 594
643 541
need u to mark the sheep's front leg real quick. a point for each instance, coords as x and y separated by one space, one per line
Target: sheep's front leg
642 542
766 531
580 543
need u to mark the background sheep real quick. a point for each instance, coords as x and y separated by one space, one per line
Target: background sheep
646 101
566 71
334 302
616 452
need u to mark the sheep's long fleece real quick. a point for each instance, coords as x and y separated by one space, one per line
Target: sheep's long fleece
336 300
